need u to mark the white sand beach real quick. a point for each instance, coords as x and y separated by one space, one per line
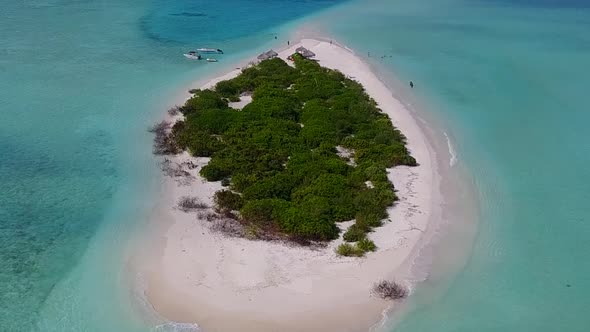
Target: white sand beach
233 284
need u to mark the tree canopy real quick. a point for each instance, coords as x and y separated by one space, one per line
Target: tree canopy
279 153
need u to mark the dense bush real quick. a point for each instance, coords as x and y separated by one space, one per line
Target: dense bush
198 143
367 219
265 213
374 201
215 171
226 200
228 89
355 232
303 225
278 154
203 100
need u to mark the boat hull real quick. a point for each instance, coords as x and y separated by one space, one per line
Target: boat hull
209 50
192 57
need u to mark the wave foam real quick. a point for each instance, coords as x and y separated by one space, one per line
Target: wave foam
177 327
452 151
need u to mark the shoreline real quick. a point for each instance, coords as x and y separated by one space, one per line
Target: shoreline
203 277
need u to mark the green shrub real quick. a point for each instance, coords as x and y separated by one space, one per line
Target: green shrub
317 207
264 212
241 181
303 226
349 250
374 201
376 173
366 245
227 200
280 150
279 186
214 171
355 233
227 88
268 103
199 144
335 189
204 100
369 219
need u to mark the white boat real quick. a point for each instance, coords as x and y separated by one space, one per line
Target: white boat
210 50
193 55
211 60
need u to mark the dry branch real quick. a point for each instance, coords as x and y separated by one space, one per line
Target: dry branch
389 290
188 204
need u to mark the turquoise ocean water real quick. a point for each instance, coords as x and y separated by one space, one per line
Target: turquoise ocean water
509 80
80 81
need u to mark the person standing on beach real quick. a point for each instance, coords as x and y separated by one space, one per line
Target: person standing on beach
411 84
288 43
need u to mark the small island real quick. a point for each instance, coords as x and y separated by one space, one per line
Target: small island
278 210
310 150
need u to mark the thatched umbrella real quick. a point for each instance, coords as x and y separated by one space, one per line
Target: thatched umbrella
305 52
267 55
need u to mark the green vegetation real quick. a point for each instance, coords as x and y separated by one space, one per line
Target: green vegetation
278 157
227 200
366 245
355 233
349 250
359 249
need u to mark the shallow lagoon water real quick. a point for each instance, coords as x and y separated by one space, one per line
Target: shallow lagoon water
508 80
80 84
